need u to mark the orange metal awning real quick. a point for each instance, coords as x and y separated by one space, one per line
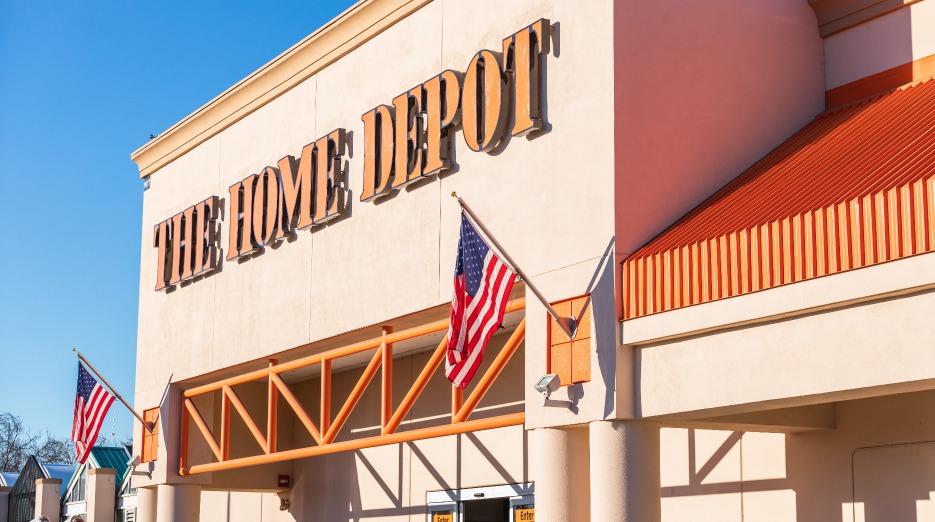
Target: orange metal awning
855 187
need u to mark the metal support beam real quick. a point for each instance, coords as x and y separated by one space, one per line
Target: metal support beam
329 427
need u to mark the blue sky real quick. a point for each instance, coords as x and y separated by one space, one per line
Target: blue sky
83 84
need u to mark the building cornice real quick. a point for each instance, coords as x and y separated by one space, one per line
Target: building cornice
349 30
835 16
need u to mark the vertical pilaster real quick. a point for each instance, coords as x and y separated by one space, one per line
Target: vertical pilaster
561 474
146 501
178 502
49 499
101 494
624 471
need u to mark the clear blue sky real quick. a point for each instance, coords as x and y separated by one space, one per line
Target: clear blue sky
82 84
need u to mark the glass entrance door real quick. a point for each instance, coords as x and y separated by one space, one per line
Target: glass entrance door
486 510
507 503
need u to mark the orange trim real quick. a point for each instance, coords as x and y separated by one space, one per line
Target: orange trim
501 421
417 387
203 428
272 412
386 356
325 395
293 402
311 360
149 439
854 188
497 366
895 77
457 401
325 436
369 372
183 436
245 416
225 427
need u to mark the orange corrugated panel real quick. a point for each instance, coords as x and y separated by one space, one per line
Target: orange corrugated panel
836 250
743 254
930 212
851 189
906 235
918 216
821 250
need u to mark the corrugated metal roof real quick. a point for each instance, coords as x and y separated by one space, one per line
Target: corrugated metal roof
7 479
851 189
58 471
115 458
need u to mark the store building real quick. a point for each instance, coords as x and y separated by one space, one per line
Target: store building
735 199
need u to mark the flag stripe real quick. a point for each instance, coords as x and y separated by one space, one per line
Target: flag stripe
92 402
466 373
482 286
98 405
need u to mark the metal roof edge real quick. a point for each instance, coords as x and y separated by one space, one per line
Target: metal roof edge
356 25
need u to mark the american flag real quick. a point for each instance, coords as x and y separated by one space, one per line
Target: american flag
91 404
482 288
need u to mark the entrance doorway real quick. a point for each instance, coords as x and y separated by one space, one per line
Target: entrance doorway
506 503
486 510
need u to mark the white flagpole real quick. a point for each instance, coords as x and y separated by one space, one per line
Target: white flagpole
92 369
567 324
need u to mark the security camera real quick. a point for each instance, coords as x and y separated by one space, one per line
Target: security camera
547 384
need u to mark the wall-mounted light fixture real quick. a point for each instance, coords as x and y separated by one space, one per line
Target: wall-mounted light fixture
547 384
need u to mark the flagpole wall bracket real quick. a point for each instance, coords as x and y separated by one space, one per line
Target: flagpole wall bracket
567 324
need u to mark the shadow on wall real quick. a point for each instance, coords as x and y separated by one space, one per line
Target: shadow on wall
734 96
382 482
877 466
879 53
391 481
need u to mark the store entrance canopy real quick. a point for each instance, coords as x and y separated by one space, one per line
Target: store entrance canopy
324 433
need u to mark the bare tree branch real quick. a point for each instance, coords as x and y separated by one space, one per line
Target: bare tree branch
17 444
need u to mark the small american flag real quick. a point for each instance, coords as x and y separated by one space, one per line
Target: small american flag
91 404
482 288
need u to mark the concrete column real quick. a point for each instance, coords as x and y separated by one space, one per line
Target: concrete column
4 502
49 499
561 474
101 495
146 504
624 471
178 502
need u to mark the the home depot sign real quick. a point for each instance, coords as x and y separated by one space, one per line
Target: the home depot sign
499 93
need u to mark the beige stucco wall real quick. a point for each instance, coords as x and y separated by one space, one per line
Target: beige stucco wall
702 91
542 198
241 506
388 482
893 39
48 498
878 460
861 349
323 283
605 175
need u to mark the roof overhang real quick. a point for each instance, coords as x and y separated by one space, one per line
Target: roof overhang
854 188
